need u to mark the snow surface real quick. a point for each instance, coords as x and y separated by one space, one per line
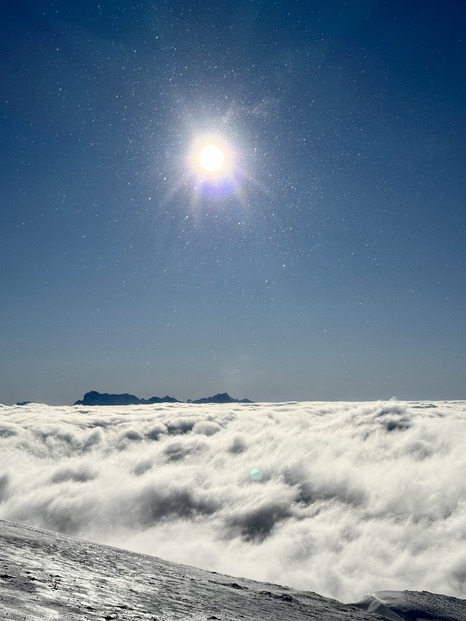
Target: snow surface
44 575
413 606
353 498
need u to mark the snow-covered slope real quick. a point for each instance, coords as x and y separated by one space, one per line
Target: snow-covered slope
414 606
45 575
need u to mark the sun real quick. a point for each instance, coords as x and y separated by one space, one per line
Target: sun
214 168
211 158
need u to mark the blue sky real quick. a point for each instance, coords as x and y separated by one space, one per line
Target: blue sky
331 267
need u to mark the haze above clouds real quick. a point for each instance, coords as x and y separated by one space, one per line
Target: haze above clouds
345 498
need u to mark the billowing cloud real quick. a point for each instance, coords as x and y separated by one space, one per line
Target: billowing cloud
350 497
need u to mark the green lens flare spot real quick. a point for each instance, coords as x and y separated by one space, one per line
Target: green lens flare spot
255 474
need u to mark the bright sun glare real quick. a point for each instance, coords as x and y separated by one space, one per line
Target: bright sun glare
211 158
213 167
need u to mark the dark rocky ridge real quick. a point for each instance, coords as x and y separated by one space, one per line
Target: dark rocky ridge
223 397
96 398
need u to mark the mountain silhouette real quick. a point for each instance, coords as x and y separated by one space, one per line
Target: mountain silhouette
96 398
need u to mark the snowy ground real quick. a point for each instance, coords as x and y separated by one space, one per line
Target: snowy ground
45 576
336 498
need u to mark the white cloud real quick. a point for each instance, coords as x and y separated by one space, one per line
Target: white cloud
353 497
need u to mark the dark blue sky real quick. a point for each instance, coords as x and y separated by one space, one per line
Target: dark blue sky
334 268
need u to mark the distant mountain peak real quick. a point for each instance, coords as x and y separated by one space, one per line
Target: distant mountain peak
221 397
96 398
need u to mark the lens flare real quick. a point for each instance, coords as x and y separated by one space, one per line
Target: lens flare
255 474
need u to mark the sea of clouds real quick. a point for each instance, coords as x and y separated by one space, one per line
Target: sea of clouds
337 498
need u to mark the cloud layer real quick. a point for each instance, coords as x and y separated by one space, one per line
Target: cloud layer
338 498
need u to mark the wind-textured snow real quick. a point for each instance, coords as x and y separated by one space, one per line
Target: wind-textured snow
402 605
48 576
44 575
336 498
